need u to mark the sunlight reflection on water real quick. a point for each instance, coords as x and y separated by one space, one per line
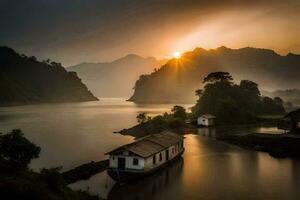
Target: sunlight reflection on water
76 133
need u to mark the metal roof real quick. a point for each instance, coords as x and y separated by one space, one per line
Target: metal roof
151 144
208 116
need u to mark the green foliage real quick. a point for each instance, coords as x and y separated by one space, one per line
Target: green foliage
215 77
20 183
174 120
179 112
141 118
199 93
17 151
232 103
176 123
53 178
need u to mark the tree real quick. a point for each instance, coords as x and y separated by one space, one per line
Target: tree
218 77
278 100
141 118
16 150
232 103
250 87
179 112
199 92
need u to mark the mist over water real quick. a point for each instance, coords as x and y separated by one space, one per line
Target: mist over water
75 133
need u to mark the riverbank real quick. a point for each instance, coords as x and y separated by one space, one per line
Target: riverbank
277 145
143 129
85 171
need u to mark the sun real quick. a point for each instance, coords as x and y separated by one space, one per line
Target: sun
177 54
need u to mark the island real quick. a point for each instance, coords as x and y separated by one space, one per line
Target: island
230 104
25 80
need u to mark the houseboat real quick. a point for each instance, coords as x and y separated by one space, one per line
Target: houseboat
144 156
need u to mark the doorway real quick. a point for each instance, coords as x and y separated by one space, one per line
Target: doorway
121 163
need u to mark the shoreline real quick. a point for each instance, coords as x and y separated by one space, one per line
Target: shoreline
84 171
277 145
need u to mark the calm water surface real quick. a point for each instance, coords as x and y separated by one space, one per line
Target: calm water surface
75 133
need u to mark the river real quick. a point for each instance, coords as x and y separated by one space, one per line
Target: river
75 133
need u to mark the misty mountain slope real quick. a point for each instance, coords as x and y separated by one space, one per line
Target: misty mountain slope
177 80
24 80
289 95
117 78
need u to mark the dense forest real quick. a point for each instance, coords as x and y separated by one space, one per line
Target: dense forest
175 81
25 80
234 103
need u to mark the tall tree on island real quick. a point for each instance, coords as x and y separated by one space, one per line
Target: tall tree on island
233 103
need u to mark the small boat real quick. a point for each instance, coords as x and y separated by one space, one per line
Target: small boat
144 156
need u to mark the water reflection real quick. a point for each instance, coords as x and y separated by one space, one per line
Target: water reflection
151 187
207 131
72 134
237 129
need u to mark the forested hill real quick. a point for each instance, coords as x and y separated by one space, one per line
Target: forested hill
116 78
24 80
177 80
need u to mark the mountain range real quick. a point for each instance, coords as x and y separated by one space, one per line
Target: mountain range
116 78
177 80
25 80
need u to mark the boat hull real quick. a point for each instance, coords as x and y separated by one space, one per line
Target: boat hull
127 176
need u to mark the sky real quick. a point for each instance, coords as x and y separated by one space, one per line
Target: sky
75 31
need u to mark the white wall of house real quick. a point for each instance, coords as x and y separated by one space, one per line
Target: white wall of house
173 151
113 161
205 121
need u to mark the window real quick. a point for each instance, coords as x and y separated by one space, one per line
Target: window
135 161
154 160
160 157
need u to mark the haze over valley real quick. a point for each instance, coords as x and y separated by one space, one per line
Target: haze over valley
116 78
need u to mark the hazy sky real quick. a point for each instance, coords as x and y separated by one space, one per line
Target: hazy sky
73 31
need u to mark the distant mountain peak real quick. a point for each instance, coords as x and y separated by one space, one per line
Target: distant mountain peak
115 78
132 55
223 48
171 83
